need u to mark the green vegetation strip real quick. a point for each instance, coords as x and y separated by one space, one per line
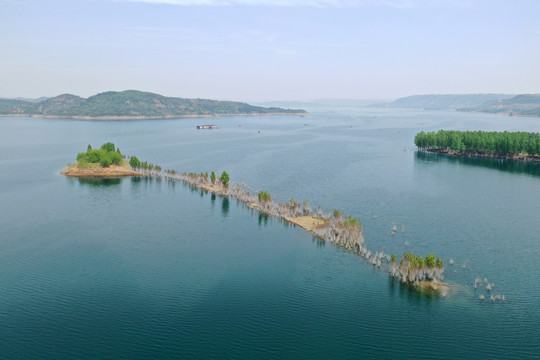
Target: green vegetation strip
480 141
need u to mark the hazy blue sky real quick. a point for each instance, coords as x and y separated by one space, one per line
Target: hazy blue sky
269 49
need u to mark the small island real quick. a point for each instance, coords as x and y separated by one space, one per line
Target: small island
106 161
424 273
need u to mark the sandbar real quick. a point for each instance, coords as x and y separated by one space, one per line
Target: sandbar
307 222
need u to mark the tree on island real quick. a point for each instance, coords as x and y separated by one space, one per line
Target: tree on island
413 268
109 147
134 162
264 196
224 178
213 177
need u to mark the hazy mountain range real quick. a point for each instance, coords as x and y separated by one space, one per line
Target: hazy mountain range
522 105
444 102
139 104
131 104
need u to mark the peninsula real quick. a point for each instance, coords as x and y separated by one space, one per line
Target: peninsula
521 146
132 104
340 230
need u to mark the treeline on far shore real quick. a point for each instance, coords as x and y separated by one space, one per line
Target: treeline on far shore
480 141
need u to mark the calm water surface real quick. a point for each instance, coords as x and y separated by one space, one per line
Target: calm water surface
142 268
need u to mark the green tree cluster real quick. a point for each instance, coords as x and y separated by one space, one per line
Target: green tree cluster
134 162
352 221
264 196
483 141
417 262
109 147
105 156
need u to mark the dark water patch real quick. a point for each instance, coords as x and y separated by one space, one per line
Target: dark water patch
98 181
263 219
506 165
146 269
225 206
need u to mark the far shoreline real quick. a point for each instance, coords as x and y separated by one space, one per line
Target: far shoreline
166 117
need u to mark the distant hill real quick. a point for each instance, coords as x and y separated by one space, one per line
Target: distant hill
132 104
521 105
444 102
27 99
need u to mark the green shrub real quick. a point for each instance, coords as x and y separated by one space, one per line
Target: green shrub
116 157
264 196
105 161
224 178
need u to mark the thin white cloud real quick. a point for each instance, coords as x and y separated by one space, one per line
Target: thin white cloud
277 3
313 3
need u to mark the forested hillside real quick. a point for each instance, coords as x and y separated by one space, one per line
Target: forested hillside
132 103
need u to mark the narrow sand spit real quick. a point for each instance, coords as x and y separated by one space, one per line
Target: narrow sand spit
213 188
307 222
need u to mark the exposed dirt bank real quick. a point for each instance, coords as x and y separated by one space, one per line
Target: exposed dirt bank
307 222
113 170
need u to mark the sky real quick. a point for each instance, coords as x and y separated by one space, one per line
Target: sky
266 50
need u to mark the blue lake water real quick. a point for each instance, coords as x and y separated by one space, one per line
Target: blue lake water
143 268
